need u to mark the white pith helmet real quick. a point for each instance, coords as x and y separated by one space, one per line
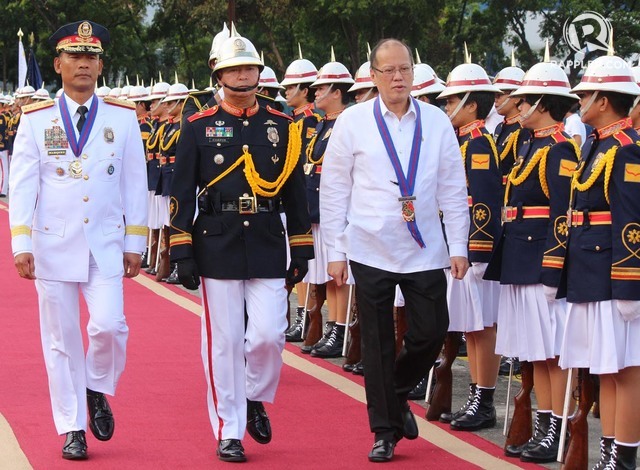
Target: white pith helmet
333 72
300 71
425 81
268 79
177 91
545 78
138 93
159 91
25 92
363 78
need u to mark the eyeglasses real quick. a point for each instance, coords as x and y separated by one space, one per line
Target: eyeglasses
391 71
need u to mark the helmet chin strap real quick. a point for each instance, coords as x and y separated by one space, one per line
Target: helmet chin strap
241 89
587 106
460 105
366 95
532 110
635 102
294 93
169 111
504 103
324 95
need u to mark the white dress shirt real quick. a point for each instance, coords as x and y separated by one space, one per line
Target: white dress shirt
359 207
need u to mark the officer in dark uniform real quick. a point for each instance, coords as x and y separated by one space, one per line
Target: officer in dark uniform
242 161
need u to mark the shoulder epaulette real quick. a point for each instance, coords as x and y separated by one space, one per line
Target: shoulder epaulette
278 113
205 113
29 108
559 137
121 103
623 138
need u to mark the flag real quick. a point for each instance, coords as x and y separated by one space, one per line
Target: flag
22 61
34 77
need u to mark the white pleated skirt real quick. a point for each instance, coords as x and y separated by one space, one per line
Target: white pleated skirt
599 338
529 327
473 302
153 210
318 266
163 210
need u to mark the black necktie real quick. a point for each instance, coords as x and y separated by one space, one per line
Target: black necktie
82 110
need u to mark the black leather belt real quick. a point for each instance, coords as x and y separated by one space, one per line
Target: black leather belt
250 205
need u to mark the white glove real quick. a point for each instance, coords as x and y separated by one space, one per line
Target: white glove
478 270
629 309
550 293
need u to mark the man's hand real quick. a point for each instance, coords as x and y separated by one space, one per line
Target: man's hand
25 265
459 266
338 271
132 263
298 269
188 273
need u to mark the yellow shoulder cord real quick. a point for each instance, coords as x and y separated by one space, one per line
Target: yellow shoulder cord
494 149
173 138
541 154
463 151
156 135
605 161
510 144
309 151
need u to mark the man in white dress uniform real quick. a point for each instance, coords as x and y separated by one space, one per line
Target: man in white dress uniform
78 218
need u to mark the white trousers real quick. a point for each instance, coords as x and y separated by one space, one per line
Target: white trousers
70 372
241 364
4 172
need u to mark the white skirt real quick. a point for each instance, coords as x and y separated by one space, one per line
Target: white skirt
529 327
599 338
318 265
153 207
473 302
163 211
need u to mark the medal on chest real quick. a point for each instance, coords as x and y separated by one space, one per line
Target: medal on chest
75 169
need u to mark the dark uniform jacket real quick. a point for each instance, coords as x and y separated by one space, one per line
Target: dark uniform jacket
153 154
484 186
314 156
532 246
5 119
603 260
199 101
310 120
13 129
168 145
509 136
220 144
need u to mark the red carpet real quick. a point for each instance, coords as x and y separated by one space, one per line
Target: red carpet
160 409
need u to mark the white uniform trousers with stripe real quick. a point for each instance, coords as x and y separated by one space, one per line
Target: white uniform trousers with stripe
70 372
241 364
4 172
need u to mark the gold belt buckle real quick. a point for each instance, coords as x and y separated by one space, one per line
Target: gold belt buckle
247 205
308 168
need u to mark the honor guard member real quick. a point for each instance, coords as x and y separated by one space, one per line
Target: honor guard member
509 134
426 85
363 89
242 161
602 269
22 98
332 97
473 302
530 253
269 86
78 219
173 102
5 122
159 118
391 165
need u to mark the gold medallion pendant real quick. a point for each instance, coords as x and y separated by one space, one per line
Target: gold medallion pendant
75 169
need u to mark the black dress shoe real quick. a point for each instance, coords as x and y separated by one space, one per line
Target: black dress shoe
101 420
382 451
231 450
348 367
258 425
75 446
410 427
358 369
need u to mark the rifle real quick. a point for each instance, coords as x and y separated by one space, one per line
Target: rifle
521 426
577 455
313 328
440 401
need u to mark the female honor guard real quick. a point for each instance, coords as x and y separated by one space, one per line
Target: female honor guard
78 219
473 302
602 266
332 85
242 160
530 254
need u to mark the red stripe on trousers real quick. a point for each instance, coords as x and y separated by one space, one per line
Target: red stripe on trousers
210 357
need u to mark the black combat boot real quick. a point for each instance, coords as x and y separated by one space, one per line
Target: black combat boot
480 414
294 333
325 336
540 430
605 453
448 417
333 346
547 449
622 457
173 277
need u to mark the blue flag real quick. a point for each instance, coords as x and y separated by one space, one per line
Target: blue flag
33 71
